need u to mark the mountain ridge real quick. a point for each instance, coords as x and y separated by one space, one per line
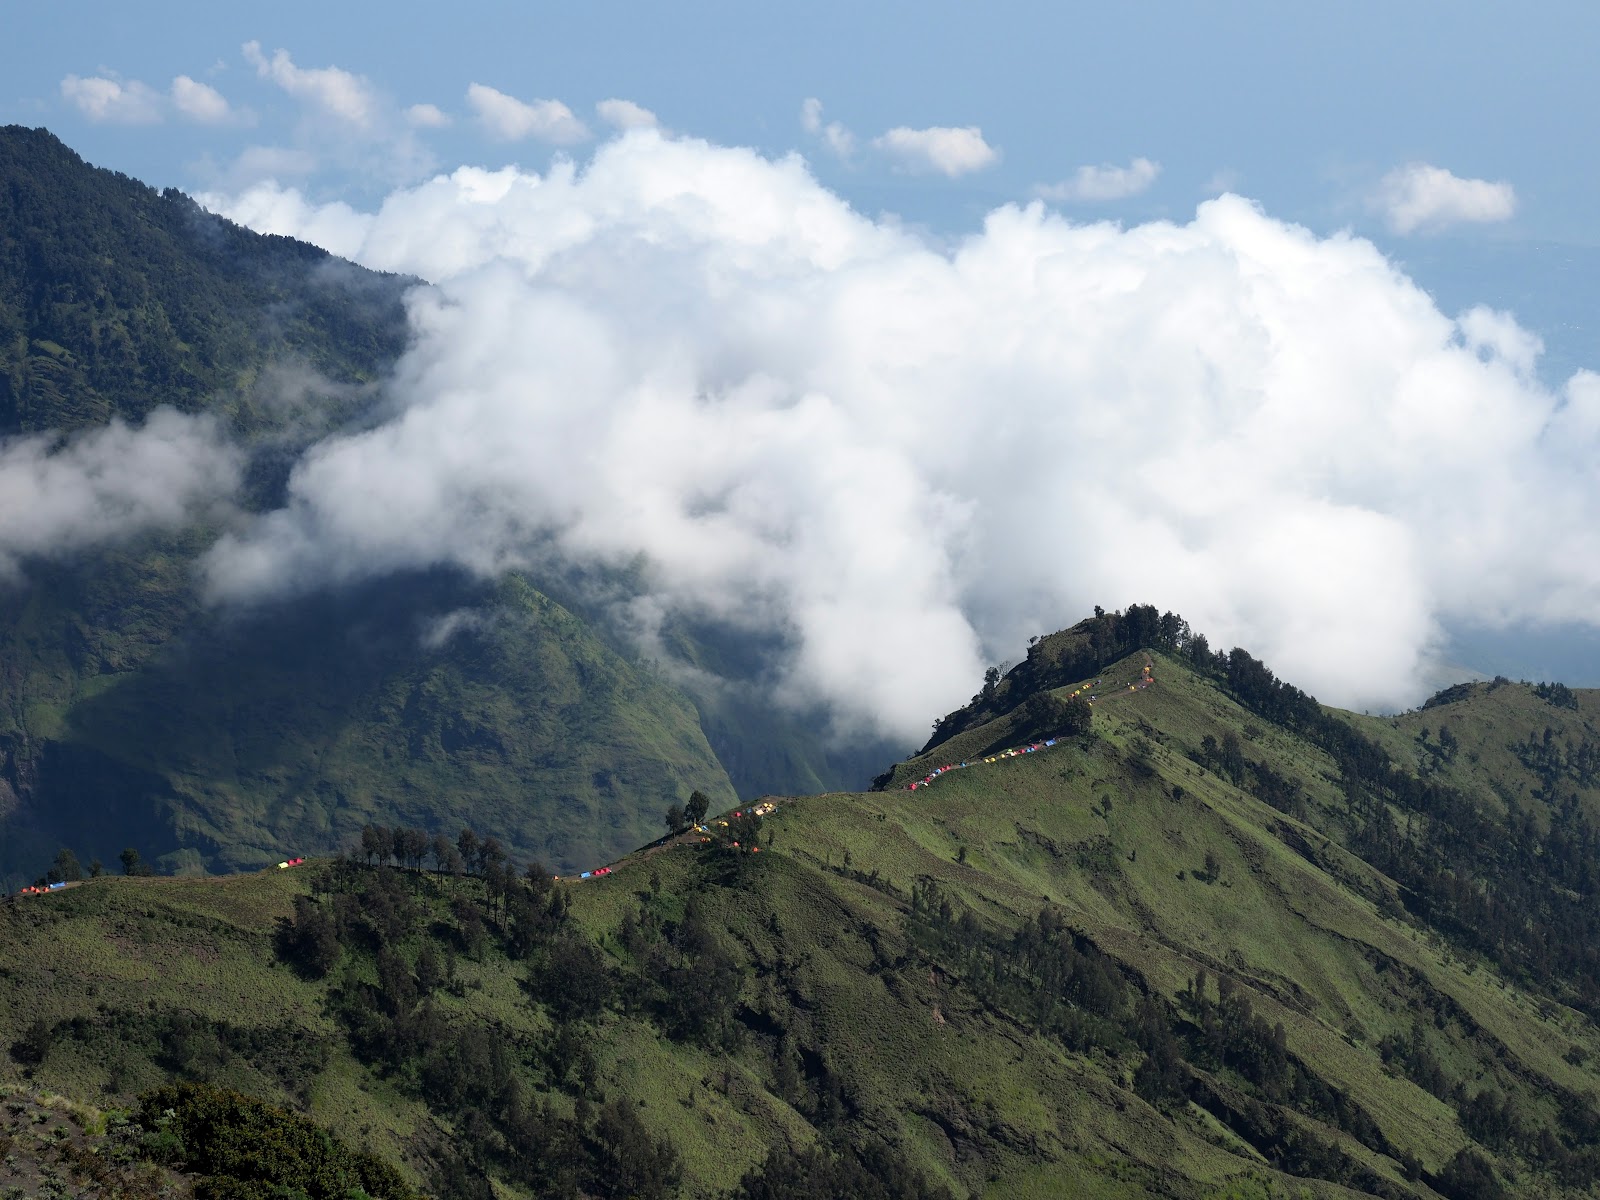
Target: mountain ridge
979 974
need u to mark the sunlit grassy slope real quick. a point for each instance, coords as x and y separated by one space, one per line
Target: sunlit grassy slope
1155 860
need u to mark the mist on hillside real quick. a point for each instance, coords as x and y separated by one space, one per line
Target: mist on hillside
898 460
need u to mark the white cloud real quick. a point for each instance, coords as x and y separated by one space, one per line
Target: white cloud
108 484
332 90
113 100
511 120
1419 196
902 460
1105 182
834 135
440 630
200 101
625 114
427 116
268 207
949 151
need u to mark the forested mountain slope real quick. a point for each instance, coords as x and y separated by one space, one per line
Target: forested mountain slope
1150 959
115 299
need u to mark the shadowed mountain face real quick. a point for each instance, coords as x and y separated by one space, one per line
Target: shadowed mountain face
243 737
190 363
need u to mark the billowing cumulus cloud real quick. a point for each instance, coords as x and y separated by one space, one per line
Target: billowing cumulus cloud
330 90
512 120
948 150
1422 197
120 102
109 483
1103 183
902 459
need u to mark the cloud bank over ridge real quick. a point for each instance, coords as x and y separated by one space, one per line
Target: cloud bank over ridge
904 460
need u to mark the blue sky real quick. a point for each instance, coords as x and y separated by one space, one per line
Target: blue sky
1304 110
1452 136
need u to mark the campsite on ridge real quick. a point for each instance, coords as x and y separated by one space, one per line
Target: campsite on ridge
1160 957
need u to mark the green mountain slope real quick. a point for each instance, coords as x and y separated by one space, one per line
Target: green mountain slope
1143 961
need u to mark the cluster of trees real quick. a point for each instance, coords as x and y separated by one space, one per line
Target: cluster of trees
1046 973
1226 1033
412 848
1439 754
1526 898
197 1048
1558 694
1556 763
1269 785
599 1151
1047 714
680 817
244 1149
1414 1058
682 976
400 936
1529 899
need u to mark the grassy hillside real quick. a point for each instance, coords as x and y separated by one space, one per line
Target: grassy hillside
1100 969
1510 745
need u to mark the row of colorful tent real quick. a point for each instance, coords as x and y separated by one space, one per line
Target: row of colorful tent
1145 680
290 862
1031 748
40 891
